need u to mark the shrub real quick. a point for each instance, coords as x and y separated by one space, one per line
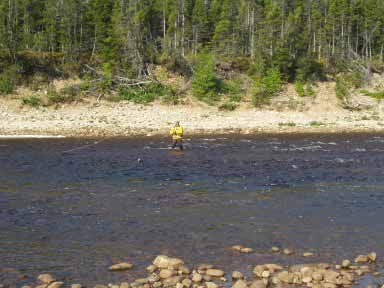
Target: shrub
287 124
6 85
205 84
316 124
33 101
228 106
272 82
146 94
267 87
342 89
107 82
376 95
71 92
304 89
7 80
233 88
54 97
309 69
354 79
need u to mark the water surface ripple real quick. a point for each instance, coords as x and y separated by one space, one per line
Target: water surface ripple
74 213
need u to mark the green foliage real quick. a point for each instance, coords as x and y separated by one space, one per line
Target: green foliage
228 106
205 84
377 95
353 79
308 69
282 59
256 69
33 101
6 85
145 94
304 89
7 80
267 87
287 124
272 82
55 97
342 89
233 89
316 124
107 82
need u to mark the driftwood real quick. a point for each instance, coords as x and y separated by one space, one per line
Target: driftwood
123 81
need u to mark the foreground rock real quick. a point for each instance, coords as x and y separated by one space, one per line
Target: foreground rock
46 278
168 272
121 266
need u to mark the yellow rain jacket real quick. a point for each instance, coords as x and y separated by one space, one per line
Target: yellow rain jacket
177 132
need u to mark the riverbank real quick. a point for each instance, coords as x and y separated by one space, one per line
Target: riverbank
167 272
107 119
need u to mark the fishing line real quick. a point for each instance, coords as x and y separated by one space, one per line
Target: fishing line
83 147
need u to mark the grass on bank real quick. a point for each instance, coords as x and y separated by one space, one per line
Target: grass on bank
316 124
376 95
287 124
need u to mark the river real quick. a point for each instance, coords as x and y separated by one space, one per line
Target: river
72 207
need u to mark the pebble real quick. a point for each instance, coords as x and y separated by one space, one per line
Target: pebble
79 286
46 278
273 267
215 272
184 270
237 247
153 278
142 280
55 285
172 281
275 249
207 278
317 276
287 251
122 285
372 256
258 284
308 254
361 259
151 268
265 274
240 284
346 263
166 273
246 250
187 283
237 275
307 280
163 261
121 266
196 277
204 266
211 285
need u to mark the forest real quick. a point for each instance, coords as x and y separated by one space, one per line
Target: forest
114 43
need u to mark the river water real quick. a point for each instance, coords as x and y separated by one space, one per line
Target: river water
73 207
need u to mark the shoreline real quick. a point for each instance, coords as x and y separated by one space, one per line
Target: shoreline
170 272
99 132
124 119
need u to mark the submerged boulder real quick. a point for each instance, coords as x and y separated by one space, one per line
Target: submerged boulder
121 266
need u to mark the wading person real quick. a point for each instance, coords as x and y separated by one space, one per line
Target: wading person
177 136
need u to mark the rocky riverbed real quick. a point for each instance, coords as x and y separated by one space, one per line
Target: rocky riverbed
169 272
106 119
